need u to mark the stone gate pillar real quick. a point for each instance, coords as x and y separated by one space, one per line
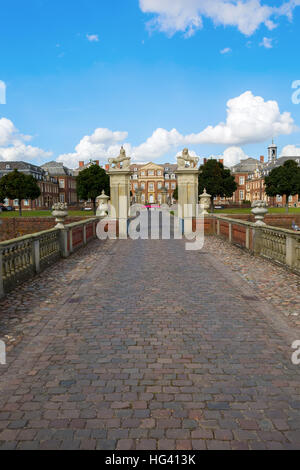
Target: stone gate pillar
187 181
120 191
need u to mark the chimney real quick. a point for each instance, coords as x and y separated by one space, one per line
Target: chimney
221 160
81 164
97 162
204 161
107 167
262 159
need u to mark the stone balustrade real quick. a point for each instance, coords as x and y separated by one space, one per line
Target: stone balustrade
275 243
23 257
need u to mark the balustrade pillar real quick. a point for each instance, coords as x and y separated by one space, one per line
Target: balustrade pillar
1 276
291 243
63 242
36 255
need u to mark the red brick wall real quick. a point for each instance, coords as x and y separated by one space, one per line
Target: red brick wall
17 227
276 220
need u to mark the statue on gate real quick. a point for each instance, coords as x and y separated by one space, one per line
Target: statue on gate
122 158
186 157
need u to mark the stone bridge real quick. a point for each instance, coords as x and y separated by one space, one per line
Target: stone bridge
144 345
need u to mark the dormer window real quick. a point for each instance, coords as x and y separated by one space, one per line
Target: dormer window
7 167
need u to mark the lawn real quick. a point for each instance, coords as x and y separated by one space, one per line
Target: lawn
45 214
272 210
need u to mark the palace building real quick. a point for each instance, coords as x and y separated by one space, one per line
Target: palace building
150 179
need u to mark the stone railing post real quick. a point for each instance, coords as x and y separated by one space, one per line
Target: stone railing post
71 240
36 255
63 242
218 227
248 238
84 234
256 240
1 275
291 244
230 232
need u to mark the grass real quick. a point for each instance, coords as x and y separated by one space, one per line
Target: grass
44 214
272 210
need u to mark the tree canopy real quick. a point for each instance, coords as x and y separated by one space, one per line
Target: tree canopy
17 185
284 181
91 182
217 180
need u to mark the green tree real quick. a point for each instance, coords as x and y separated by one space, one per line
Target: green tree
91 182
217 180
284 181
17 185
175 194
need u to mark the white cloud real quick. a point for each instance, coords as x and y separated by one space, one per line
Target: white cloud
290 151
226 50
92 37
232 156
250 119
186 16
2 92
267 43
13 144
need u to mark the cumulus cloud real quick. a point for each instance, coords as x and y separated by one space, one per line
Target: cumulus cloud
92 37
2 92
267 43
233 155
290 151
13 144
250 119
226 50
186 16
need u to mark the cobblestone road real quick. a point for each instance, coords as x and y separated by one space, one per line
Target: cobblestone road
143 345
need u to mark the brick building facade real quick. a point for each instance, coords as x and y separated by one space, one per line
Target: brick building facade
151 179
48 185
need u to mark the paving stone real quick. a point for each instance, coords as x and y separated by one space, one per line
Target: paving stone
128 354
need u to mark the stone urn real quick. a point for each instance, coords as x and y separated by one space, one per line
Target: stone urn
259 210
60 212
205 202
102 201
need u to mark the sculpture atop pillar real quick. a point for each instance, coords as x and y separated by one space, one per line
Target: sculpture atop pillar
102 202
259 210
205 202
186 157
122 158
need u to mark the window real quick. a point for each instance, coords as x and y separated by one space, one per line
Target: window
7 167
279 198
173 186
151 173
62 183
173 177
135 177
62 198
167 176
159 173
242 180
142 185
135 186
167 185
159 185
26 202
151 187
16 202
241 195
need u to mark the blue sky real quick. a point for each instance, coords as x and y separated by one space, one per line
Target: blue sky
84 77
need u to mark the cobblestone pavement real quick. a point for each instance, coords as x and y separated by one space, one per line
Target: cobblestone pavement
143 345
